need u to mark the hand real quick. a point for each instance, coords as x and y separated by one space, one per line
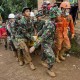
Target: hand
35 38
32 49
72 36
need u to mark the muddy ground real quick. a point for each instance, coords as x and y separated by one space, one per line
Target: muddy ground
10 69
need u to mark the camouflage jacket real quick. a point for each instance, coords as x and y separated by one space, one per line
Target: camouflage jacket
46 35
26 28
11 28
39 25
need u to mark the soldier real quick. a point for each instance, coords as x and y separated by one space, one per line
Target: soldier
46 41
39 23
25 36
62 42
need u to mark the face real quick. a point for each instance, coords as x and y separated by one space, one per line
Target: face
53 19
11 19
27 13
65 11
4 24
39 18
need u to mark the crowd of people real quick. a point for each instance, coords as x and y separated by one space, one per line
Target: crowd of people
23 35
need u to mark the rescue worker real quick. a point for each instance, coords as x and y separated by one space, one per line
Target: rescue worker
48 6
44 8
45 39
74 9
11 33
62 42
25 35
39 23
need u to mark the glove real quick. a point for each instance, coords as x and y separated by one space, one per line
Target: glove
72 36
35 38
32 49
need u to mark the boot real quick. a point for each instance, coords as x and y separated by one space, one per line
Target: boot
17 59
57 57
5 47
51 73
21 63
26 62
15 54
57 60
32 66
62 58
62 53
44 64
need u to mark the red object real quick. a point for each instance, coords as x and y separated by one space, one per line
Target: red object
49 6
3 33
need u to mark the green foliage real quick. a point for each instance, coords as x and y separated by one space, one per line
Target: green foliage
75 48
14 6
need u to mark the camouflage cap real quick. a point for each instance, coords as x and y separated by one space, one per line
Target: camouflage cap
25 8
55 11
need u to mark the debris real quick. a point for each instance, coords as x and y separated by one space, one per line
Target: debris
68 55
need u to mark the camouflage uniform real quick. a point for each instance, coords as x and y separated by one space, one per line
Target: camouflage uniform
46 41
39 25
26 29
25 32
11 34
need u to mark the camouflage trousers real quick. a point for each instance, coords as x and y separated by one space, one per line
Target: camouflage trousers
23 50
48 54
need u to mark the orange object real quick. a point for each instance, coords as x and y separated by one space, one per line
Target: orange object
70 24
65 4
61 34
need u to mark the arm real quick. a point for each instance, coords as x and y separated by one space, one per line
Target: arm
71 25
23 30
46 34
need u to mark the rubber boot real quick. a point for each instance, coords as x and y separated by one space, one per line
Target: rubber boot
61 54
32 66
26 62
57 57
17 59
21 63
51 73
44 64
27 54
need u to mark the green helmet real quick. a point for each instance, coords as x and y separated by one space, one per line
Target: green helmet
54 12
